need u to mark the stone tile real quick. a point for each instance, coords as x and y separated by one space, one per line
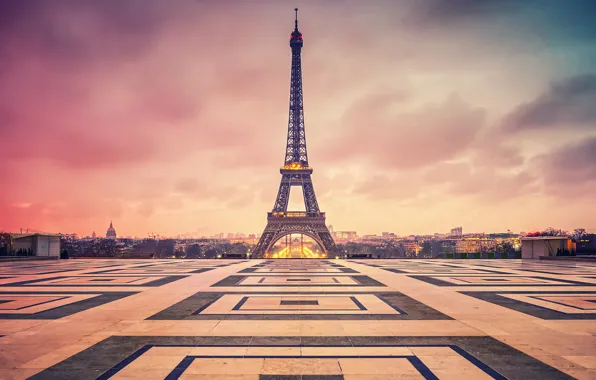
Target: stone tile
217 366
374 366
17 374
584 361
301 367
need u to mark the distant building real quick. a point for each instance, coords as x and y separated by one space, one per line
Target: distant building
474 245
586 245
45 245
411 246
111 234
536 246
346 235
457 231
93 235
467 246
443 247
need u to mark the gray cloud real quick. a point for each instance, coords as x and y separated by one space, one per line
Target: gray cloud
76 32
573 164
382 189
458 10
552 20
378 129
569 102
188 185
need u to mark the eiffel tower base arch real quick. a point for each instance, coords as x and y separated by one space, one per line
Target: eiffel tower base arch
294 223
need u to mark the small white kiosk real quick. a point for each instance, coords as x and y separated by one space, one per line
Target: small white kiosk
536 246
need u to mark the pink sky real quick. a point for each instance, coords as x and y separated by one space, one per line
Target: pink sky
170 117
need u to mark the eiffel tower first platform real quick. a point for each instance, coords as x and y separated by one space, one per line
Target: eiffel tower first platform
295 172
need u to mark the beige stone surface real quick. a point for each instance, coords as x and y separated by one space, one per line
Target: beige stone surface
28 345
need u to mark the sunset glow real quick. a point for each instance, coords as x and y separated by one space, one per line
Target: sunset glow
170 117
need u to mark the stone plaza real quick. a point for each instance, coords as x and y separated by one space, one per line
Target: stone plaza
297 319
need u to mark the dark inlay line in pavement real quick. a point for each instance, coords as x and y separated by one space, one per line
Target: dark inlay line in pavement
541 281
494 358
301 302
64 310
61 281
561 303
301 377
500 298
359 304
238 305
193 306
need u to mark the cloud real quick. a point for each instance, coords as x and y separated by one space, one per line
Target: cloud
75 33
380 188
494 186
62 70
486 184
145 210
447 182
378 129
567 103
496 154
164 115
552 20
188 185
453 11
569 170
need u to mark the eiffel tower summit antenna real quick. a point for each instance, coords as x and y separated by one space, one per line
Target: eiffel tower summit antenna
295 172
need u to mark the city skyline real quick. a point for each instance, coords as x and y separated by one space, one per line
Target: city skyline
173 118
456 232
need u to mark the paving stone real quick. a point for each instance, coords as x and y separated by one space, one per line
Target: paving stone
166 318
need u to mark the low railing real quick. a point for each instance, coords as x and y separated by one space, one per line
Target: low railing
295 166
296 214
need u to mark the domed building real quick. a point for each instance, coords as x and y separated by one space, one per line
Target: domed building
111 234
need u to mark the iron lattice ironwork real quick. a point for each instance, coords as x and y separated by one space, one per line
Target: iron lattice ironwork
295 172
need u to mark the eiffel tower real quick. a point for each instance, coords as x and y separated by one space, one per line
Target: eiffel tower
295 172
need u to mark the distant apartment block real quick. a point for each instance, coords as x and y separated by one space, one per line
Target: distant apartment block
457 231
474 245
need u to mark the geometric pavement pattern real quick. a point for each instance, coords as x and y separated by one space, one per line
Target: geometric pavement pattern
297 319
